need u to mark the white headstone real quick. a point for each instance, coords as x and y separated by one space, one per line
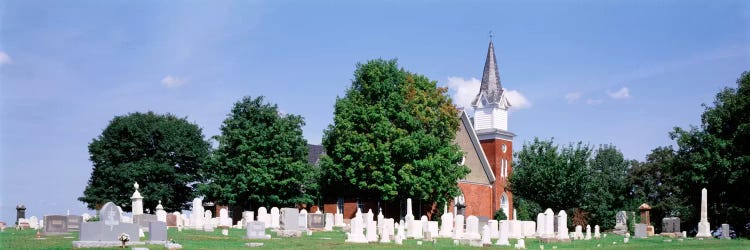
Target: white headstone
434 228
356 234
302 219
372 229
409 218
446 228
515 229
704 227
520 244
549 224
275 217
529 228
380 221
503 235
494 229
588 232
486 235
196 215
137 201
425 225
562 226
224 219
387 231
458 231
472 228
264 217
415 229
329 222
161 215
33 222
401 234
596 232
540 225
578 233
338 218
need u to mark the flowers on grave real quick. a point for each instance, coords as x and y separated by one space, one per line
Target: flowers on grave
124 238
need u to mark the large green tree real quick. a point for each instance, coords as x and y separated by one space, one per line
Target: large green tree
607 186
261 159
163 153
392 138
551 176
716 156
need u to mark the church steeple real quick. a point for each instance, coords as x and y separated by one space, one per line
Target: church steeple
491 90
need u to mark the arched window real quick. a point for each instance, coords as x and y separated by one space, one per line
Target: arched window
504 204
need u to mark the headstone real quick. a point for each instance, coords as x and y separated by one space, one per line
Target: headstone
289 218
302 220
372 230
704 227
529 228
137 201
472 228
458 230
55 224
409 218
329 222
725 231
486 235
540 225
415 230
520 244
74 223
224 220
596 232
381 217
161 215
142 220
356 234
579 232
503 234
316 221
196 215
338 218
264 217
171 220
108 229
425 224
588 232
33 222
640 230
400 235
515 229
446 228
562 226
387 231
256 230
433 228
275 217
494 229
157 232
670 225
247 216
549 223
621 223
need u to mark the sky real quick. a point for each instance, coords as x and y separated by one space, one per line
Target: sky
602 72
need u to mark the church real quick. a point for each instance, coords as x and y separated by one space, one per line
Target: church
488 153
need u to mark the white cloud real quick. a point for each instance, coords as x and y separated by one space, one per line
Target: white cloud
4 58
594 101
517 100
464 91
623 93
172 81
573 96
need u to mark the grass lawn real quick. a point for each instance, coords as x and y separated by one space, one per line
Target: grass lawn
191 239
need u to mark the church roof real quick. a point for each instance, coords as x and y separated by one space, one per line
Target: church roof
491 89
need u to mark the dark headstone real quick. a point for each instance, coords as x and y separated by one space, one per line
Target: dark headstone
20 212
74 223
670 225
316 221
157 231
171 220
289 219
55 224
640 230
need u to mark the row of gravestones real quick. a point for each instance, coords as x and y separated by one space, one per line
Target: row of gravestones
107 230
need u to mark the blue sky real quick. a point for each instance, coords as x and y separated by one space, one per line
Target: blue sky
619 72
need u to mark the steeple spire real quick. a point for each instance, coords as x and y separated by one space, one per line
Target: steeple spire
491 89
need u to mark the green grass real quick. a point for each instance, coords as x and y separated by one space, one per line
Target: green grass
191 239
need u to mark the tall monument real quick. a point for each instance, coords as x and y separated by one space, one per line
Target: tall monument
704 228
137 201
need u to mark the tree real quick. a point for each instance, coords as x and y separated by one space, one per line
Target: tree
607 186
261 159
162 153
716 156
551 177
655 183
392 138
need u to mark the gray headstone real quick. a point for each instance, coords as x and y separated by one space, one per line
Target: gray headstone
670 225
143 219
110 214
640 230
100 231
289 219
55 224
316 221
256 230
725 231
157 231
483 220
74 222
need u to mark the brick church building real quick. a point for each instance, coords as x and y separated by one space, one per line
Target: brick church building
488 153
